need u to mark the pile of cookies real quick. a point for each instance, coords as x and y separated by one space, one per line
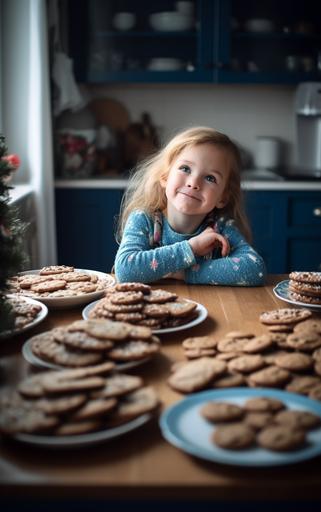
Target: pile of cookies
57 281
305 287
88 342
137 303
24 312
72 402
290 360
261 421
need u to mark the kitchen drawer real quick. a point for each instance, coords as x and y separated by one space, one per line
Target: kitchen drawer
305 211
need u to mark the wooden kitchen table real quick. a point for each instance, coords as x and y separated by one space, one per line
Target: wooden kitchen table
141 465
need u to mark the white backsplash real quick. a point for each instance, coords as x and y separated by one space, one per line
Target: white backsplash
241 111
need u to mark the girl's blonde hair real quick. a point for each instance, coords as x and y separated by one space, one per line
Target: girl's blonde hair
145 192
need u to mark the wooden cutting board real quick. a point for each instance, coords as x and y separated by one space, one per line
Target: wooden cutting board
111 113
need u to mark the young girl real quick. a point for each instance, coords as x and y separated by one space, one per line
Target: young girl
182 216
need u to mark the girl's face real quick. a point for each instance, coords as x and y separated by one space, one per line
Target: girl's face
197 180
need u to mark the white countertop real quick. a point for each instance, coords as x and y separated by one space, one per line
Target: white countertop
246 184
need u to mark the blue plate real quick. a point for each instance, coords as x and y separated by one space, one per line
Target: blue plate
281 290
184 427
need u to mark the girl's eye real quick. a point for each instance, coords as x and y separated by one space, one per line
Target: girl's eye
184 168
211 178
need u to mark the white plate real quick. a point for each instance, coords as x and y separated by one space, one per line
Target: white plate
39 318
281 290
200 309
31 358
184 427
89 439
68 302
201 315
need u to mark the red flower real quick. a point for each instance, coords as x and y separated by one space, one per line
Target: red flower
12 160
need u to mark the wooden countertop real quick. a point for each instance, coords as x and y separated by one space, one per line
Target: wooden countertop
141 464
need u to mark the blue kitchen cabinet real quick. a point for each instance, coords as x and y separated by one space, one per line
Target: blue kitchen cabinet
286 228
85 223
267 215
230 41
269 41
103 54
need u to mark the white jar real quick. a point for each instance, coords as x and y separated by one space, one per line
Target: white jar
267 152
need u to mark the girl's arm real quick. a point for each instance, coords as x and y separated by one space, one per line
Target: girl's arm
242 267
136 261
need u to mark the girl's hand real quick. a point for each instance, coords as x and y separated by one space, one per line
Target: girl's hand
222 242
208 240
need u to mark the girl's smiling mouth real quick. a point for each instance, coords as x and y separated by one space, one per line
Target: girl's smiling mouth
188 193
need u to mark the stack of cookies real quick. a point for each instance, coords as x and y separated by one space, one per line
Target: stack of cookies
305 287
72 402
24 312
88 342
261 421
137 303
290 360
57 281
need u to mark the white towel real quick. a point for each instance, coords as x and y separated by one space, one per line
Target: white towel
68 95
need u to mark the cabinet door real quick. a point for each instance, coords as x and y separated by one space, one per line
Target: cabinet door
160 43
304 231
305 253
85 222
269 42
286 229
267 215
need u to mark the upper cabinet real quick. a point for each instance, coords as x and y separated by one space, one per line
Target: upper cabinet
220 41
143 41
269 41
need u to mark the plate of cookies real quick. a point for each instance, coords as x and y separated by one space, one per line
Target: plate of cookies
27 314
302 289
75 408
139 304
61 286
245 427
84 343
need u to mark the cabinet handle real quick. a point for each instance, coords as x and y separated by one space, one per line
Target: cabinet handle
317 212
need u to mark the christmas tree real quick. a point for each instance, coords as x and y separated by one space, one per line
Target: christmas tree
11 230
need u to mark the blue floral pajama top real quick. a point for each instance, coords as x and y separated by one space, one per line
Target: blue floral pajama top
137 260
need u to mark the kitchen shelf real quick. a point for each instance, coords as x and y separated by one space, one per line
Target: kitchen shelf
146 34
145 76
265 77
277 35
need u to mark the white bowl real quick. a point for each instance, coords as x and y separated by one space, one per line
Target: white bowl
124 20
259 25
165 64
167 21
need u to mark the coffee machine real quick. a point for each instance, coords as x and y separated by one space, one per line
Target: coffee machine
308 130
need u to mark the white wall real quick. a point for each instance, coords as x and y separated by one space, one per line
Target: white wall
241 111
15 80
